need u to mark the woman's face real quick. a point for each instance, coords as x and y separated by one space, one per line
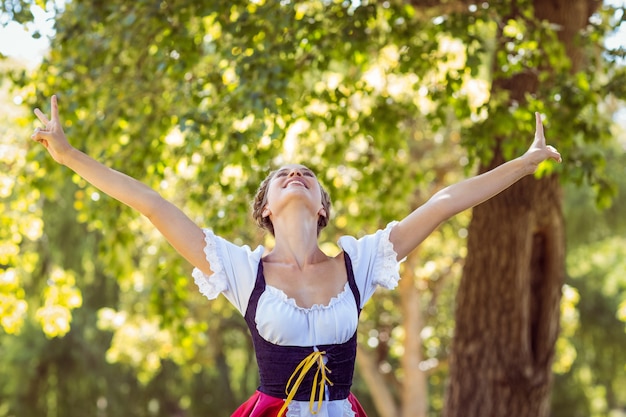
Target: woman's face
294 181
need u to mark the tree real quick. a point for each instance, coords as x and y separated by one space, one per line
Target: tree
508 304
210 100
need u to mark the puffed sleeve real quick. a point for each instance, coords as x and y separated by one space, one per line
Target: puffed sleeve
374 261
234 270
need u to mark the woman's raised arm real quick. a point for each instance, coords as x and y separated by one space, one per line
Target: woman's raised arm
414 228
182 233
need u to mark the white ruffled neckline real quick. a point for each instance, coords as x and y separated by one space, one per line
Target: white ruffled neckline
280 294
386 273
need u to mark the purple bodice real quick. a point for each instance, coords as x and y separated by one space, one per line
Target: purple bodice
277 363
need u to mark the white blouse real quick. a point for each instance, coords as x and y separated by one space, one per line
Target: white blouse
279 319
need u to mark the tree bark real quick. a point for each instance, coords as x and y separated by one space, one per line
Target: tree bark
508 305
507 315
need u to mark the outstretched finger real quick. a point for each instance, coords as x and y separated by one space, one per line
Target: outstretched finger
42 117
539 128
55 108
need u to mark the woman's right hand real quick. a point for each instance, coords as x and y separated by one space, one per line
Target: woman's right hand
182 233
52 135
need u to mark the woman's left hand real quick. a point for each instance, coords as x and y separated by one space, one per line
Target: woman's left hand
539 151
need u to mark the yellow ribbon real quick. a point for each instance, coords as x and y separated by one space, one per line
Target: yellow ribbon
318 387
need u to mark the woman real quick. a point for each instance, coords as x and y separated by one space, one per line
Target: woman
300 304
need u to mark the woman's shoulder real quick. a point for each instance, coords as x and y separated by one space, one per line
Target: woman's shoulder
213 240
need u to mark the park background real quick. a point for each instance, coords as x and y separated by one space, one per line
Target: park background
516 308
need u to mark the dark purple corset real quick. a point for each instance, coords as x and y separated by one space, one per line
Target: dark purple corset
277 363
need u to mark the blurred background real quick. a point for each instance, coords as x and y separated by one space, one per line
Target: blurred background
516 308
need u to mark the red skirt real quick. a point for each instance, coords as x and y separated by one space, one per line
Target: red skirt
262 405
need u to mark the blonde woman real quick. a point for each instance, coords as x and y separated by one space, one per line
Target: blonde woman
301 305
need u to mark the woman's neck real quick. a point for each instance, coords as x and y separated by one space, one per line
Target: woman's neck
295 240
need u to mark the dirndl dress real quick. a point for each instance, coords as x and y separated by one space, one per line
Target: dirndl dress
306 356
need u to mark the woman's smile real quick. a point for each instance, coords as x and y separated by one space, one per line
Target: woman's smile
295 181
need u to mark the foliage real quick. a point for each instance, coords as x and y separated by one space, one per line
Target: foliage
590 364
598 366
200 100
20 221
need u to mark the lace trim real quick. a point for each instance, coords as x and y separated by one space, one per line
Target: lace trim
347 409
301 409
387 273
211 286
315 307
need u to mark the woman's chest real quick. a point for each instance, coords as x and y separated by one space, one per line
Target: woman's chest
310 286
281 321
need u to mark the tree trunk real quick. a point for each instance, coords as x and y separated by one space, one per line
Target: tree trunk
414 386
508 305
381 395
414 393
507 314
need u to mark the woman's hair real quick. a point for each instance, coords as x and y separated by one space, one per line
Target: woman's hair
260 200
